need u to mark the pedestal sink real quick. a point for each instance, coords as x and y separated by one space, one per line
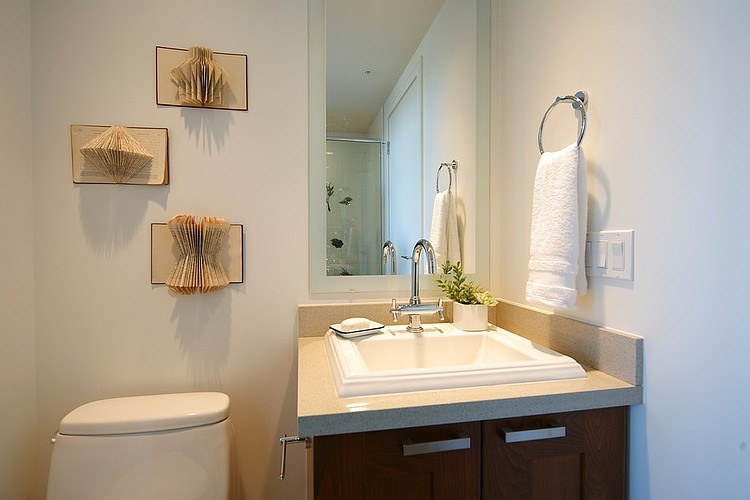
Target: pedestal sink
441 357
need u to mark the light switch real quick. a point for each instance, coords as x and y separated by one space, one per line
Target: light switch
601 253
610 254
618 255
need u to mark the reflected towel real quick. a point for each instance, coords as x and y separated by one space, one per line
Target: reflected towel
557 273
444 229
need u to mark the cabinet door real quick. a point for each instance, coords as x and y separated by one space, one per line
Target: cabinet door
577 455
437 462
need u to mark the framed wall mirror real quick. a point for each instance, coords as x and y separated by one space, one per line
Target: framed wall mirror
385 111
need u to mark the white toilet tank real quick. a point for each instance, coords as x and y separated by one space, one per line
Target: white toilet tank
167 446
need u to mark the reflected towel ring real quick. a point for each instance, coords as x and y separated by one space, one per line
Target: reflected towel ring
452 166
579 101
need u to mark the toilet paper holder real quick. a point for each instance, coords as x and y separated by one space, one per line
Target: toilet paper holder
284 441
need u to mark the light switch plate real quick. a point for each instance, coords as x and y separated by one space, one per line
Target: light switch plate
615 251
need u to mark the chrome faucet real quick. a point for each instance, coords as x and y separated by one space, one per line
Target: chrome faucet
419 247
414 309
389 250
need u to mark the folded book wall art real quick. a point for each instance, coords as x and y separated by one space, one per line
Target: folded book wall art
191 254
119 155
201 77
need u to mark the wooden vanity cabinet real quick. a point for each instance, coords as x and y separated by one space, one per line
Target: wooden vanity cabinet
399 464
517 458
576 455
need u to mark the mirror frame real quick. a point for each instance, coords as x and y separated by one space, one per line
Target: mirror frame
319 281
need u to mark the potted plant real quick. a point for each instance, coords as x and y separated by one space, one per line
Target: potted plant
470 301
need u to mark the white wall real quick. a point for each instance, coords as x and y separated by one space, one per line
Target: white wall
666 149
18 383
102 329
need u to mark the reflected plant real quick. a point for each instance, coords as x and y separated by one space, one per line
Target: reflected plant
346 201
329 192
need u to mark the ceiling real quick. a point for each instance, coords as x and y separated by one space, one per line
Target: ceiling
368 44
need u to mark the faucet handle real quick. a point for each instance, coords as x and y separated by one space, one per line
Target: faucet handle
394 310
440 309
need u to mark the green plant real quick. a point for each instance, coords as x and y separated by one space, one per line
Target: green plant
459 289
329 193
337 243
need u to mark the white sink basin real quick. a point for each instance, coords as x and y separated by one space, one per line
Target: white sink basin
442 357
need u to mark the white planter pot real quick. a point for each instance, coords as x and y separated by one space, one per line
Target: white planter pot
470 317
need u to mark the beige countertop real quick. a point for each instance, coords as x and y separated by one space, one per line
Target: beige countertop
321 412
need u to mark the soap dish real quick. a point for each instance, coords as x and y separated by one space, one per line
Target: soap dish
373 328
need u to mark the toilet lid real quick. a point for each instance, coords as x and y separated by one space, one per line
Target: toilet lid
151 413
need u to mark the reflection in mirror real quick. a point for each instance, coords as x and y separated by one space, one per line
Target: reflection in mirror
388 105
363 68
353 203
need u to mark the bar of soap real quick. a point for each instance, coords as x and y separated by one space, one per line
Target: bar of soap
353 324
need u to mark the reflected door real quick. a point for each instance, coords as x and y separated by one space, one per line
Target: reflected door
403 128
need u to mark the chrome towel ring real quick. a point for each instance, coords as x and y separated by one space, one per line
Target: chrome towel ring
579 101
452 166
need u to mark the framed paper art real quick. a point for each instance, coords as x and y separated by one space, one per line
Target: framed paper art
201 78
165 252
105 163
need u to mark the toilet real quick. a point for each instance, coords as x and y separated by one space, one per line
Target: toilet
167 446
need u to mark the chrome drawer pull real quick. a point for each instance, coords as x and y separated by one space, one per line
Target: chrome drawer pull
462 442
510 436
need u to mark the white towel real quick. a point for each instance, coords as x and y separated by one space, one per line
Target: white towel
444 229
557 273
